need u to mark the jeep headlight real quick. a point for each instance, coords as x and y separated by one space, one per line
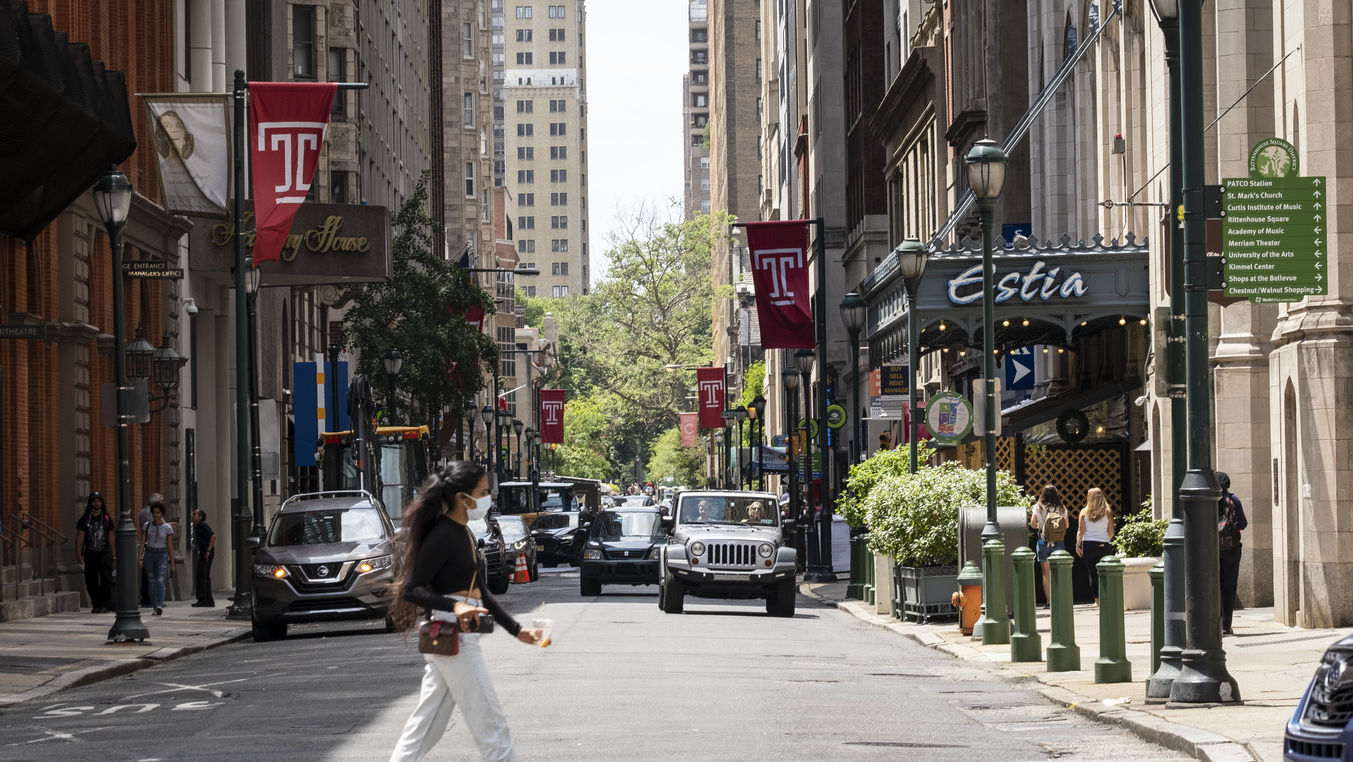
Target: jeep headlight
277 571
697 548
592 554
373 564
654 553
766 550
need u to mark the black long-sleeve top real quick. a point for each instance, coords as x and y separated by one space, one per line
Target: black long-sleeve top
446 564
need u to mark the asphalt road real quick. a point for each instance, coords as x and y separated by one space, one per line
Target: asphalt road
622 681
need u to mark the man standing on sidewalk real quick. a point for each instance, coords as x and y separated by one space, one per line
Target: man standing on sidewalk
203 540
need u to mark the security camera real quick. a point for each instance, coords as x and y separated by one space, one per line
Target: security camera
190 306
1142 400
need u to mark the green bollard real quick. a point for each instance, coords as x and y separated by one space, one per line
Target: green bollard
1025 642
1063 653
854 590
869 586
995 621
1112 665
1157 575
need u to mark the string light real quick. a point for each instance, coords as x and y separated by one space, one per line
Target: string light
1045 350
1122 320
1026 322
1061 350
1005 323
1142 321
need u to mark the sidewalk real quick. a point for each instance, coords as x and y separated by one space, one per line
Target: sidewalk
1272 664
47 654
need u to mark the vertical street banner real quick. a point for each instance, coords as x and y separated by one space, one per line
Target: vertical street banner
192 147
690 426
286 123
779 253
312 396
475 317
552 416
709 393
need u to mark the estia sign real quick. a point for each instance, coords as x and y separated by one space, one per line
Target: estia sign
325 238
1273 157
1039 283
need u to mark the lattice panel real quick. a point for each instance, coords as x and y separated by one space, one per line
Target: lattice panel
973 454
1074 471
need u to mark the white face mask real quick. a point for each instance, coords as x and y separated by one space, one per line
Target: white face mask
480 509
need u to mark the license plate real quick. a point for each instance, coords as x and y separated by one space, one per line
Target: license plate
735 577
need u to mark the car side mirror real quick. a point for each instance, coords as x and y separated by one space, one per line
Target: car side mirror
668 522
253 543
481 542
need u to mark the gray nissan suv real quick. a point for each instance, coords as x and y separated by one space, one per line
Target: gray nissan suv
326 556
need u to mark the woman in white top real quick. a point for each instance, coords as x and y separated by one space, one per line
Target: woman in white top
157 554
1094 538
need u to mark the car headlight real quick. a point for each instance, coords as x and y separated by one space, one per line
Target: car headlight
276 571
697 548
654 553
766 550
592 554
372 564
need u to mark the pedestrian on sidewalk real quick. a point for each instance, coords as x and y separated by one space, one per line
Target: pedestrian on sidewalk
440 572
1051 519
203 541
157 554
94 550
141 520
1094 535
1230 521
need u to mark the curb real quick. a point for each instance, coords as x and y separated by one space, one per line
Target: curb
1200 744
105 671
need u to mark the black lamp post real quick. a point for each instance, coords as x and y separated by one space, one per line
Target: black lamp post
803 361
757 411
113 200
1203 677
986 176
517 427
790 378
486 416
504 419
852 316
252 276
912 256
392 361
1171 652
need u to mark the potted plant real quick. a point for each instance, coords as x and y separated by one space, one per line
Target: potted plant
913 519
1140 542
864 476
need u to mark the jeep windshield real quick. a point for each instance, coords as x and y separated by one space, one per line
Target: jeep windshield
629 525
325 526
728 511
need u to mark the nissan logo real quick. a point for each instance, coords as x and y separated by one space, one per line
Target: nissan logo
322 571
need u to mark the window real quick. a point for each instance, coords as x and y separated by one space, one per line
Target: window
523 11
526 176
697 140
556 11
559 244
704 163
526 223
558 175
526 107
526 153
559 268
700 57
526 199
530 290
700 100
560 291
558 106
523 35
338 187
526 247
699 35
700 77
704 183
468 109
466 41
558 152
556 35
469 179
303 40
523 59
557 58
558 199
525 130
558 128
559 222
338 72
758 70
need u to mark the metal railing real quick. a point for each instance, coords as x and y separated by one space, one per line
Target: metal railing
11 553
41 538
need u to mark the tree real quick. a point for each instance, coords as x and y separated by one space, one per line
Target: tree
420 311
684 465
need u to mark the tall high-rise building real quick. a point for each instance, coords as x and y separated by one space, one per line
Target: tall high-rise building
695 113
545 141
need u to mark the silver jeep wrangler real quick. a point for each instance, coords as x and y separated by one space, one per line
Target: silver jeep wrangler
726 544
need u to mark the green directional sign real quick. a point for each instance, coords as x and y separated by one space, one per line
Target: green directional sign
1274 238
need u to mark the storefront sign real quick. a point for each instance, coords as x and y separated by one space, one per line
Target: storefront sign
888 380
948 415
1040 283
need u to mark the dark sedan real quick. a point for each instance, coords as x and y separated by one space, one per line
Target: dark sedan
554 536
622 549
494 548
519 543
1321 730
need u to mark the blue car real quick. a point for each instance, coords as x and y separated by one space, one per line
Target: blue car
1320 730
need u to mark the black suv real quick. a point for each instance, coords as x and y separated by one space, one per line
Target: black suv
622 548
326 556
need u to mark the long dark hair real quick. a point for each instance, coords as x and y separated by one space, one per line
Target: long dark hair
435 497
1050 498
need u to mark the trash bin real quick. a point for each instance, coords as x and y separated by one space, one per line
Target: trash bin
1013 521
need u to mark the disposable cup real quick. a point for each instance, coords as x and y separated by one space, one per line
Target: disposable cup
546 626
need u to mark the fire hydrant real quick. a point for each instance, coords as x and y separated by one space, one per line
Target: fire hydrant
968 600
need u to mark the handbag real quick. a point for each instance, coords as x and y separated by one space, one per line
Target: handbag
439 637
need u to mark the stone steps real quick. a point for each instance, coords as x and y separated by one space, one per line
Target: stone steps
32 606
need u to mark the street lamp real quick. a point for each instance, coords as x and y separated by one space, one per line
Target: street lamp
912 256
852 316
803 361
757 410
504 419
1173 557
790 378
1203 677
517 427
393 361
252 279
986 175
113 200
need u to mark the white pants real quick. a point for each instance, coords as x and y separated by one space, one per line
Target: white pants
450 681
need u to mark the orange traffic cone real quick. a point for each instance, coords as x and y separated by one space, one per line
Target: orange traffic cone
521 574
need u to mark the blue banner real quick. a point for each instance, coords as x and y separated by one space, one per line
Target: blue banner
310 398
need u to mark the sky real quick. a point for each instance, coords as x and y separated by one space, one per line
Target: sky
636 55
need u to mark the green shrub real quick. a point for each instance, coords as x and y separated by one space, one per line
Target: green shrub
863 477
914 518
1141 535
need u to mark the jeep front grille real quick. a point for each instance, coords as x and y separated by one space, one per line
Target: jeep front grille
731 555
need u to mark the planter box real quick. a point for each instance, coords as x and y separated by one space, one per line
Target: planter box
1137 583
925 594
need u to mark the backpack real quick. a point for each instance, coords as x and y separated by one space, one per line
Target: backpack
1228 537
1054 526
